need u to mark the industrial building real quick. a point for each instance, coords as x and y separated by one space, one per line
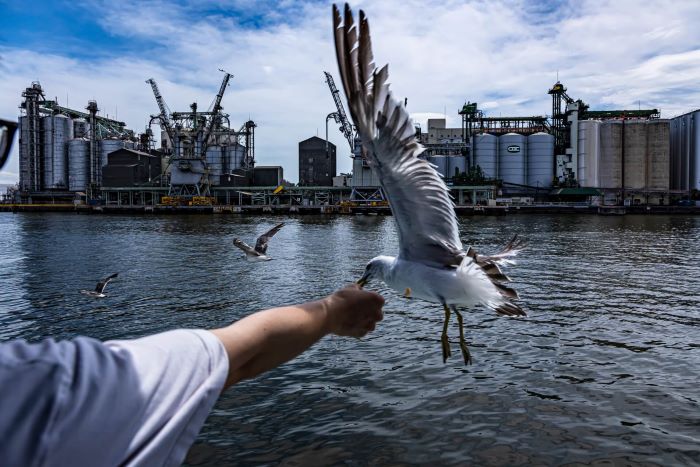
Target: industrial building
64 152
316 162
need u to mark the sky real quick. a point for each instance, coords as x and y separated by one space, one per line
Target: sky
503 54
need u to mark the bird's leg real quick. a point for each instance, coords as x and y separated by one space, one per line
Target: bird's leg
445 343
462 343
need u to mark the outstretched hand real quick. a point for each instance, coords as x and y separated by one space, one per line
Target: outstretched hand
352 311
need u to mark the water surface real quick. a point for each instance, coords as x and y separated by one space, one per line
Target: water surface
604 369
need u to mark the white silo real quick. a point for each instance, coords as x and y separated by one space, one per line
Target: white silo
588 153
78 164
486 154
540 160
57 130
512 158
214 164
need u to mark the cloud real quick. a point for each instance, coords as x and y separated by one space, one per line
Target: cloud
503 54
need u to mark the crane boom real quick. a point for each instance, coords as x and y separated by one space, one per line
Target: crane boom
164 111
215 110
340 117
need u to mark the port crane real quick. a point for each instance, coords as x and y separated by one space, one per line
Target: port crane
165 113
346 128
215 111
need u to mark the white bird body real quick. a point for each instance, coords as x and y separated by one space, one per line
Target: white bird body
465 285
256 258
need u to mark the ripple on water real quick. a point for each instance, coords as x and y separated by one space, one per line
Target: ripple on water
604 369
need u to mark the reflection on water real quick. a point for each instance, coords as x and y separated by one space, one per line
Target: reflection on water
605 368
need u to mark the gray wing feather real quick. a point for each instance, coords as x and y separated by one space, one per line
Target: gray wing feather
103 283
418 196
261 244
245 247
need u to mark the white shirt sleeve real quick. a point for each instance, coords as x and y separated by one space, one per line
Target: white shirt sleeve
129 402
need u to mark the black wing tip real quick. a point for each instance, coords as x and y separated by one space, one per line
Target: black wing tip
510 309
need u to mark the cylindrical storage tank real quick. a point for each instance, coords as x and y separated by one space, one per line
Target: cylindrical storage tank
610 161
512 158
456 165
441 164
694 152
107 146
214 160
540 160
81 129
486 154
588 153
635 141
78 164
234 158
57 130
658 154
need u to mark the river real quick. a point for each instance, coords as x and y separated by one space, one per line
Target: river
605 369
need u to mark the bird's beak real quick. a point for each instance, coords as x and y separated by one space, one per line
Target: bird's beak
363 280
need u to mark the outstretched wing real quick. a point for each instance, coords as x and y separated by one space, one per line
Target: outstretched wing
418 196
103 283
261 244
245 247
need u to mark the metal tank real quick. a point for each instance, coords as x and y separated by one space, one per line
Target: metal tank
214 164
106 146
456 165
610 161
659 151
685 152
588 153
78 164
512 158
695 165
81 129
486 154
234 158
440 163
540 160
57 130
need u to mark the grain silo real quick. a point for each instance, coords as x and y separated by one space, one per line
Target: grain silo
486 154
214 164
78 164
659 151
685 152
610 162
57 130
512 158
540 160
635 154
588 153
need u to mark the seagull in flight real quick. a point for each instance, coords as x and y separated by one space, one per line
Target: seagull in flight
100 287
432 264
259 252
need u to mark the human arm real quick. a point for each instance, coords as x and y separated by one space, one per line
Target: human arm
264 340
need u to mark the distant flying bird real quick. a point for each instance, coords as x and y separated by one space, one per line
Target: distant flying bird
259 252
99 289
431 264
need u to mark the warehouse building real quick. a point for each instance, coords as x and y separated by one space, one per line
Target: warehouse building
316 162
